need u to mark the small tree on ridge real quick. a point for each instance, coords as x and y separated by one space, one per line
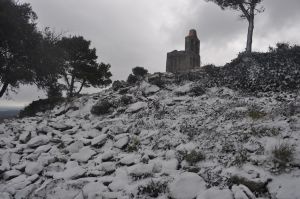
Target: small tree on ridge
80 67
249 9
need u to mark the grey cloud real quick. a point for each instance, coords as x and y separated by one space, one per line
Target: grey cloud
128 33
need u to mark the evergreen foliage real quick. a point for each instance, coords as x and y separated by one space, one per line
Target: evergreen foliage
80 67
19 39
139 71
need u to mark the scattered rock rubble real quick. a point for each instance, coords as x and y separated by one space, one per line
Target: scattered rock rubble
142 148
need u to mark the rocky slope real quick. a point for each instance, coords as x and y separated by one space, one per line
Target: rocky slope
177 141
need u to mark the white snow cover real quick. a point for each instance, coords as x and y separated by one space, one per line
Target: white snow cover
162 143
215 193
186 186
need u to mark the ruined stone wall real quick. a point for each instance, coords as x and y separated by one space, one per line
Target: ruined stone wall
182 61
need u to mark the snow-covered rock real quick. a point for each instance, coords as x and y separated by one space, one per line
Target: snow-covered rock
285 187
108 167
75 147
60 126
121 142
5 161
215 193
242 192
11 174
143 144
149 89
70 173
84 154
38 141
33 168
136 107
120 181
186 186
108 155
25 137
5 195
99 141
129 159
94 190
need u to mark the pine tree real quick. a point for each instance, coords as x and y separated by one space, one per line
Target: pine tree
18 41
248 9
80 67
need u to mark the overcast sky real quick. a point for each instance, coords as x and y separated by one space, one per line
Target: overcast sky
129 33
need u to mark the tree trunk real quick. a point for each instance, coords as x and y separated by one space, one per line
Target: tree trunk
3 89
250 33
71 89
81 87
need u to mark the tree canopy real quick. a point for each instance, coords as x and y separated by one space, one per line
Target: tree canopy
19 39
80 67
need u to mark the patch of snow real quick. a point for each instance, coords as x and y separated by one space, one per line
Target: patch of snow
133 108
186 186
84 154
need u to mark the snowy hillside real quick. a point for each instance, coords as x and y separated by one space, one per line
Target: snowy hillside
179 141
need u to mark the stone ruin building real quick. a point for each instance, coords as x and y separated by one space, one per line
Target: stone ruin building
182 61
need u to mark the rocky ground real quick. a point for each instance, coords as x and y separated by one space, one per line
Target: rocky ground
176 141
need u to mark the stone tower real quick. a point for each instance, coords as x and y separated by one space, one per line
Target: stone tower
182 61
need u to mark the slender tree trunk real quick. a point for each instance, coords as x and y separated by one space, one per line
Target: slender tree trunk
71 89
250 32
3 89
82 84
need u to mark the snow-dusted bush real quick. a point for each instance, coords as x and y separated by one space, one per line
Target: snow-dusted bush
264 131
117 85
194 157
152 189
240 158
133 145
101 108
256 114
283 155
41 105
132 79
126 99
197 90
139 71
257 187
276 70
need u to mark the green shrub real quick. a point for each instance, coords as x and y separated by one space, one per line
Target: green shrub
153 189
276 70
140 176
194 157
283 155
139 71
133 145
132 79
101 108
240 158
256 114
126 99
117 85
41 105
264 131
197 90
